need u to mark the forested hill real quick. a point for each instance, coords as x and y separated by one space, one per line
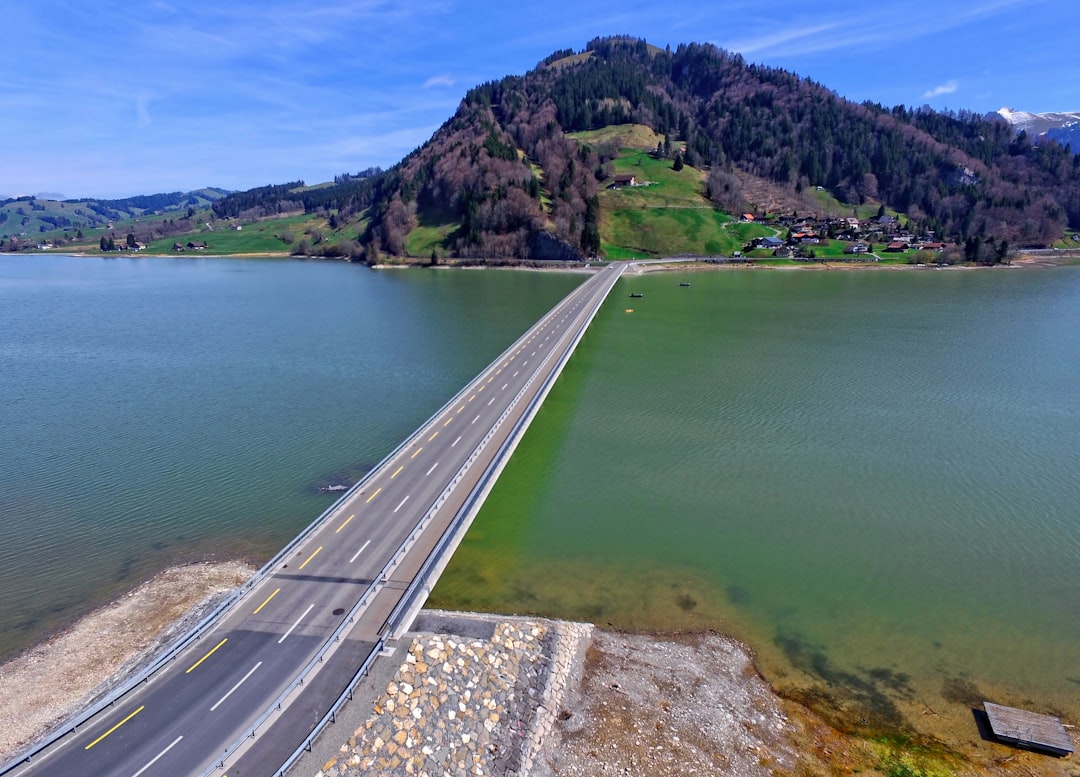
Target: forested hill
501 178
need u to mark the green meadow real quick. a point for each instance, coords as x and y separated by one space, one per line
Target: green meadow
666 214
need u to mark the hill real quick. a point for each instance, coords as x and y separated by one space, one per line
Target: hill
31 217
531 167
522 169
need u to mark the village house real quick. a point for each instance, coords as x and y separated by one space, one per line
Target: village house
857 248
623 180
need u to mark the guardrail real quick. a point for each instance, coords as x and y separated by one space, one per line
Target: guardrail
203 626
447 537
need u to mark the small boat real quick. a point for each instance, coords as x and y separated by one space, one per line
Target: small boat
333 488
629 310
684 284
637 294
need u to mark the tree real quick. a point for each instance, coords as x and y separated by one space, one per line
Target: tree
678 165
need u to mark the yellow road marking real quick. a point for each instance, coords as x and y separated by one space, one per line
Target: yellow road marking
448 420
212 651
377 490
471 398
397 471
491 379
480 389
271 596
118 725
432 437
417 453
345 524
498 371
309 558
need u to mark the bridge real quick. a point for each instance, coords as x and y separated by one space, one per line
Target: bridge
247 690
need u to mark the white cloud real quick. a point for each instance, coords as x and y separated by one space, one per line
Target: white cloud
948 87
443 80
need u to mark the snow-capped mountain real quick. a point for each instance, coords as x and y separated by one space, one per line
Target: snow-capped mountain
1038 123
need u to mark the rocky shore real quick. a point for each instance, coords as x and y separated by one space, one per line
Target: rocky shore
467 694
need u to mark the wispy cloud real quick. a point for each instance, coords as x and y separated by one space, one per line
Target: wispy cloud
442 80
948 87
797 37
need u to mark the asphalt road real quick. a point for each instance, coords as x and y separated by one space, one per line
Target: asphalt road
187 715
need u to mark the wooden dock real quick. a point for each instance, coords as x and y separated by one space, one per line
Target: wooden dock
1028 729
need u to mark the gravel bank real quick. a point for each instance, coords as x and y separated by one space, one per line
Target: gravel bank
69 672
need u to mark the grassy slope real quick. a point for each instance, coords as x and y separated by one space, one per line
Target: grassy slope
259 238
80 214
628 136
669 216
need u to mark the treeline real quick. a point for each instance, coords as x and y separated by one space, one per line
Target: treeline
347 197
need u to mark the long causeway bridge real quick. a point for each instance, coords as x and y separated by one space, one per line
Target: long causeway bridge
246 690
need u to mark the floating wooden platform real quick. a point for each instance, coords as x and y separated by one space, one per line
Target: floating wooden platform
1028 729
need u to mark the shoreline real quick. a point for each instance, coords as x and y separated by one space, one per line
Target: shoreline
1060 258
643 702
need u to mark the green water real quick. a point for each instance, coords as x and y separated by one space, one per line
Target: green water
869 476
159 410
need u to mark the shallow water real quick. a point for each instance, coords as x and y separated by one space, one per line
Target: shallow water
869 476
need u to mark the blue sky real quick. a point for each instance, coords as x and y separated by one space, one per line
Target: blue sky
113 98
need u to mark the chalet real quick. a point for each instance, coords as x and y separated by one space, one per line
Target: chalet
784 252
177 247
933 246
237 227
746 217
623 180
896 247
767 242
852 222
857 248
194 246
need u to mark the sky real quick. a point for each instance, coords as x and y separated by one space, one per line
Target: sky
114 98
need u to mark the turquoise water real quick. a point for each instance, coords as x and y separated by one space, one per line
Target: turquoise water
869 476
155 410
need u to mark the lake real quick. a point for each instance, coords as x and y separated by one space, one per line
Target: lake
870 477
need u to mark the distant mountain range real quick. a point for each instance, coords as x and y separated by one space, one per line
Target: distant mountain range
1062 127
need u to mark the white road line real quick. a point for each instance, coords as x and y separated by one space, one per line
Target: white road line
357 553
154 760
504 387
433 466
406 499
516 373
455 442
474 420
290 631
230 693
524 363
490 401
